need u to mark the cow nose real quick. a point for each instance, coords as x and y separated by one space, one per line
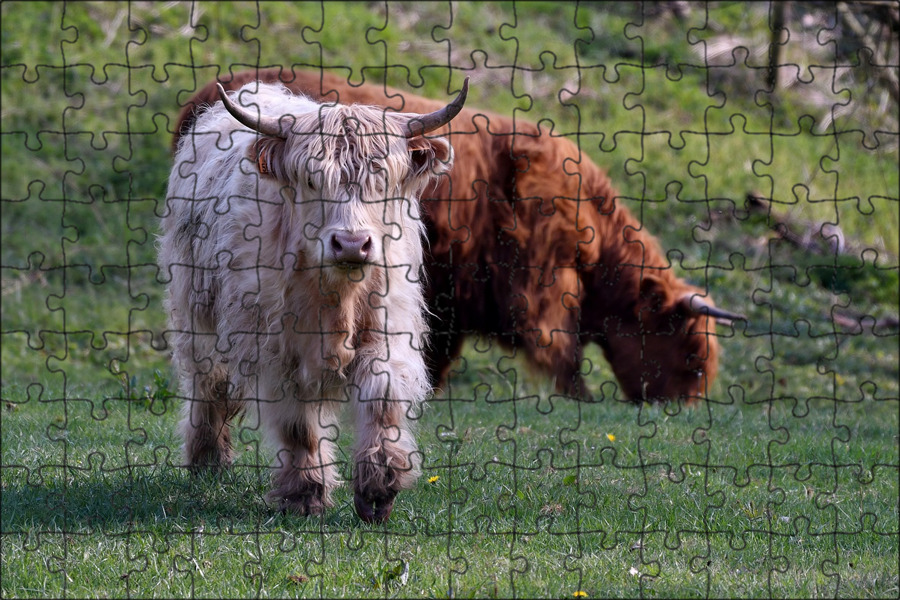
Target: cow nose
350 247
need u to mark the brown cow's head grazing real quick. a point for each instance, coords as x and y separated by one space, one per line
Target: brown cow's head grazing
664 347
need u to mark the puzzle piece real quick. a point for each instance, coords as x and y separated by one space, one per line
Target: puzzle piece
623 176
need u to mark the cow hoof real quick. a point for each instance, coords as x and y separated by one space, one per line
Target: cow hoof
212 466
374 510
304 507
304 504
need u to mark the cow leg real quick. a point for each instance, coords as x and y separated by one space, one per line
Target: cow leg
562 360
205 425
443 350
306 473
569 380
385 458
558 357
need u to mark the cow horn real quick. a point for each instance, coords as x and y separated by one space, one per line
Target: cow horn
699 306
421 124
264 125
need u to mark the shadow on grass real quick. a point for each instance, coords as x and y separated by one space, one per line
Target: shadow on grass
158 497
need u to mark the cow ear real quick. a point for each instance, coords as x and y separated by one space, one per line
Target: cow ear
268 154
430 156
654 293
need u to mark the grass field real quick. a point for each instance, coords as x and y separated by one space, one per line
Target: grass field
785 484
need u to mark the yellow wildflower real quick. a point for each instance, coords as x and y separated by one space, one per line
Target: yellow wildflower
580 594
610 437
433 479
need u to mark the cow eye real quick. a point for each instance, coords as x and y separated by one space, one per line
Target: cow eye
310 184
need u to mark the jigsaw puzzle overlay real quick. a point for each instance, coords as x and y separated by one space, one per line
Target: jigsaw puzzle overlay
635 335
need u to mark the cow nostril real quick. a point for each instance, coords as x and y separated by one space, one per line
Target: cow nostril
351 247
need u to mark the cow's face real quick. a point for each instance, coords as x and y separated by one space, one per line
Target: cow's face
666 349
349 177
353 182
680 356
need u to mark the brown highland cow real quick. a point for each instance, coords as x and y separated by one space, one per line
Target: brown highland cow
528 246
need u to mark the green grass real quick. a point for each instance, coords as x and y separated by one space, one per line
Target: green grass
784 484
532 497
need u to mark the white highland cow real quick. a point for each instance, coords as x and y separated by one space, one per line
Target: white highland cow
293 240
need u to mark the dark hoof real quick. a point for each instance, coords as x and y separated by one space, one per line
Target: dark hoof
208 465
304 504
374 510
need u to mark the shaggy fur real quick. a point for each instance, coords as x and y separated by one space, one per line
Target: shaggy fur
265 319
529 246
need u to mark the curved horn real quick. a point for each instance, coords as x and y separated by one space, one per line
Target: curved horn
699 306
422 124
264 125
